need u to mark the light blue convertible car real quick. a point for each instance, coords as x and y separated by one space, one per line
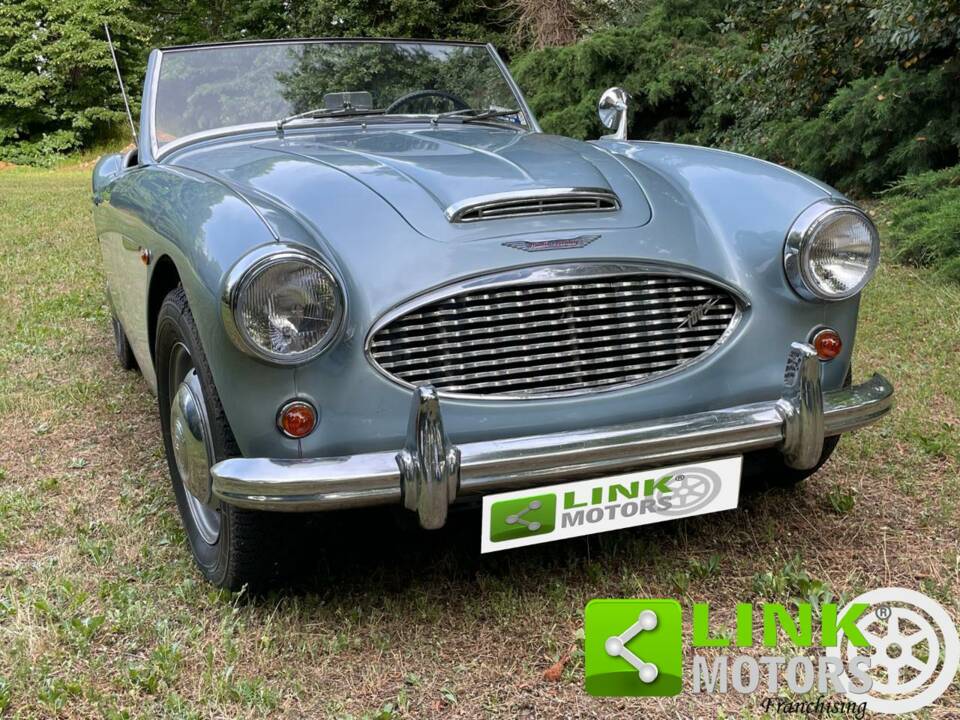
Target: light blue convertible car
357 273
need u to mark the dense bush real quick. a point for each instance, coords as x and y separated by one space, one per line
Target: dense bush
857 93
923 212
872 131
667 58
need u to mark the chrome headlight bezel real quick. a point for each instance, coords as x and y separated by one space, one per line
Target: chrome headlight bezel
247 269
799 241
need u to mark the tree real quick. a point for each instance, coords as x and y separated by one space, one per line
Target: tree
420 19
58 88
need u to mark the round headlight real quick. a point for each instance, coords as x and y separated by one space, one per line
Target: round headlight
831 252
282 306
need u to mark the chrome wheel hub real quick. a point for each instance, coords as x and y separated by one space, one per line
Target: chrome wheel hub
190 433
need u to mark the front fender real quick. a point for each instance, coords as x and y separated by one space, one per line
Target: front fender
204 227
746 206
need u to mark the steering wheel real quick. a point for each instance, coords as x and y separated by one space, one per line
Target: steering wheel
458 102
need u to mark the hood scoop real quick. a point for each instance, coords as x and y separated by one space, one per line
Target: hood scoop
523 203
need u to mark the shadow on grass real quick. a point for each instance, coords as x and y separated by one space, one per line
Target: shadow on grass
363 555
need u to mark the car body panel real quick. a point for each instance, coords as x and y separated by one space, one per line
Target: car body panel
371 201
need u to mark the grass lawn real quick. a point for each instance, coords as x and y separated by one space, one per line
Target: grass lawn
103 615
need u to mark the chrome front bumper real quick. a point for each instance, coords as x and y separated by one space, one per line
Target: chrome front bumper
430 472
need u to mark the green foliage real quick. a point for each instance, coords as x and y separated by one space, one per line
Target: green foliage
666 61
841 499
792 582
194 21
857 93
453 19
873 131
808 49
924 220
58 90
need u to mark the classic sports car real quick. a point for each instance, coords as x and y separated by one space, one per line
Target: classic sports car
357 273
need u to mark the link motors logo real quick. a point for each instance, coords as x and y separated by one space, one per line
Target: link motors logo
555 512
890 651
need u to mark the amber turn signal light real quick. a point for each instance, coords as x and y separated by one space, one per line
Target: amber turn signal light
297 419
827 343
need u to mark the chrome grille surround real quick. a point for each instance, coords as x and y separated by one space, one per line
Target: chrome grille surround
555 330
523 203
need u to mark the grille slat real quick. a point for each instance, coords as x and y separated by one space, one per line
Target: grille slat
555 337
633 316
585 363
540 379
510 353
458 310
487 335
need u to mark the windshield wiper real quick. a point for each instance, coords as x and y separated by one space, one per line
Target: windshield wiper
465 116
326 112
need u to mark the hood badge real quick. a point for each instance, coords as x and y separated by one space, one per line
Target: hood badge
697 314
558 244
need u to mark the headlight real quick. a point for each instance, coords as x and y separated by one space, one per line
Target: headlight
283 306
831 251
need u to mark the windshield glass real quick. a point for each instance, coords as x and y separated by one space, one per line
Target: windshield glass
206 88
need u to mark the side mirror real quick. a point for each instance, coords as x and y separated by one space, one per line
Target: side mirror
612 109
106 169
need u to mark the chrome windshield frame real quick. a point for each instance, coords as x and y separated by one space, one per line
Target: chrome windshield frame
158 152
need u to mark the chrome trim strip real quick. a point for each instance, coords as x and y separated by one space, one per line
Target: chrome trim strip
330 40
804 228
487 466
505 71
456 212
152 114
558 272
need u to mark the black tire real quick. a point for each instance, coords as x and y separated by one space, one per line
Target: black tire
767 468
121 346
252 547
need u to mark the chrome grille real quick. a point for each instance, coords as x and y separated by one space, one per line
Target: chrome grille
541 202
556 337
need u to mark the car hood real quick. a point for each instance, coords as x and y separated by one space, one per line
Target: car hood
421 172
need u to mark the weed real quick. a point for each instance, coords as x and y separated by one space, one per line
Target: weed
841 499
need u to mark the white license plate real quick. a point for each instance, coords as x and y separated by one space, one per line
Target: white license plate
554 512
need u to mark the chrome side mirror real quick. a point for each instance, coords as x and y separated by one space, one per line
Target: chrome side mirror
612 109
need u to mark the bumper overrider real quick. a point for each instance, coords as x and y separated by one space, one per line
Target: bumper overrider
429 472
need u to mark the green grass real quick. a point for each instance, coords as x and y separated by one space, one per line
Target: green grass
103 615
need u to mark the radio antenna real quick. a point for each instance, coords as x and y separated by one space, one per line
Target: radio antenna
123 90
